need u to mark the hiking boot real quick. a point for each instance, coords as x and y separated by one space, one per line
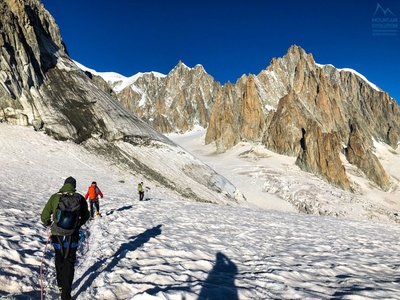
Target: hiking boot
98 214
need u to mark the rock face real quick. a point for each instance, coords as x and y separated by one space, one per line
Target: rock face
223 127
172 103
41 86
319 154
306 110
359 154
333 100
236 115
29 46
293 101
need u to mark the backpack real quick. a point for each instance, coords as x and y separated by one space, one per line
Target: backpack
67 215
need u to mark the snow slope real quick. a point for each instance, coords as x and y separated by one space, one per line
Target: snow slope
273 181
116 80
165 248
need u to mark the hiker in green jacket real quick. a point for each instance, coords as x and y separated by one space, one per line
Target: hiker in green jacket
65 232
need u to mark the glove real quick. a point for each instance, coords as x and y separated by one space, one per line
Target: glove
81 237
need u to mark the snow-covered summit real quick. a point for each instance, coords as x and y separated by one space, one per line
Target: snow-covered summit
119 85
107 76
374 86
116 80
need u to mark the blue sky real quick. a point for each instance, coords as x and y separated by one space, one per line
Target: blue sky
228 37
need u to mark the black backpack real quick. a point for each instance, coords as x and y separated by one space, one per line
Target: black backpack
66 220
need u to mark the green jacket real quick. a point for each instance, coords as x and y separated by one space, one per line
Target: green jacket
52 204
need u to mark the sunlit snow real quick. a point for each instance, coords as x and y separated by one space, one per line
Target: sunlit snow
166 248
118 81
374 86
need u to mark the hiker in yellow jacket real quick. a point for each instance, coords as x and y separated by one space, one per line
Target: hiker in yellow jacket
140 191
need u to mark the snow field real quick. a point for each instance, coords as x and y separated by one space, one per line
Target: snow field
166 248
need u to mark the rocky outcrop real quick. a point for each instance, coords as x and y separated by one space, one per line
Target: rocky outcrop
102 84
223 127
251 114
294 92
319 155
42 87
285 128
29 45
359 153
172 103
237 114
277 107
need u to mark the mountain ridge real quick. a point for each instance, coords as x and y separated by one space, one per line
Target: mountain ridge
337 100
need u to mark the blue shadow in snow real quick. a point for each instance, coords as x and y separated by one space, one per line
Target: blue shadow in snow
134 243
119 209
220 283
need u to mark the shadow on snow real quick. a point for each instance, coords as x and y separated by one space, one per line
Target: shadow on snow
219 285
134 243
126 207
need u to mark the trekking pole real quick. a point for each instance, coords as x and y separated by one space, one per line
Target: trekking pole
41 264
83 238
86 245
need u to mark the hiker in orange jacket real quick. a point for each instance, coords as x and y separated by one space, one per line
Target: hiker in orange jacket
93 194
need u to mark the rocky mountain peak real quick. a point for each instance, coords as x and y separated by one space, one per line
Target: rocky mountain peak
294 99
174 103
303 101
180 69
199 69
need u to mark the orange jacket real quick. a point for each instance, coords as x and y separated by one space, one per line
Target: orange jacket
93 193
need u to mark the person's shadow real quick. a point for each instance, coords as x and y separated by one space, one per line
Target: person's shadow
118 209
220 283
134 243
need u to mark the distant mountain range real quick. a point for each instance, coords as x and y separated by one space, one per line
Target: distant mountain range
294 107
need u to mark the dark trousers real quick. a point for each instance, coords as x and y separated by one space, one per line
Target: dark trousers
94 205
65 262
141 195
